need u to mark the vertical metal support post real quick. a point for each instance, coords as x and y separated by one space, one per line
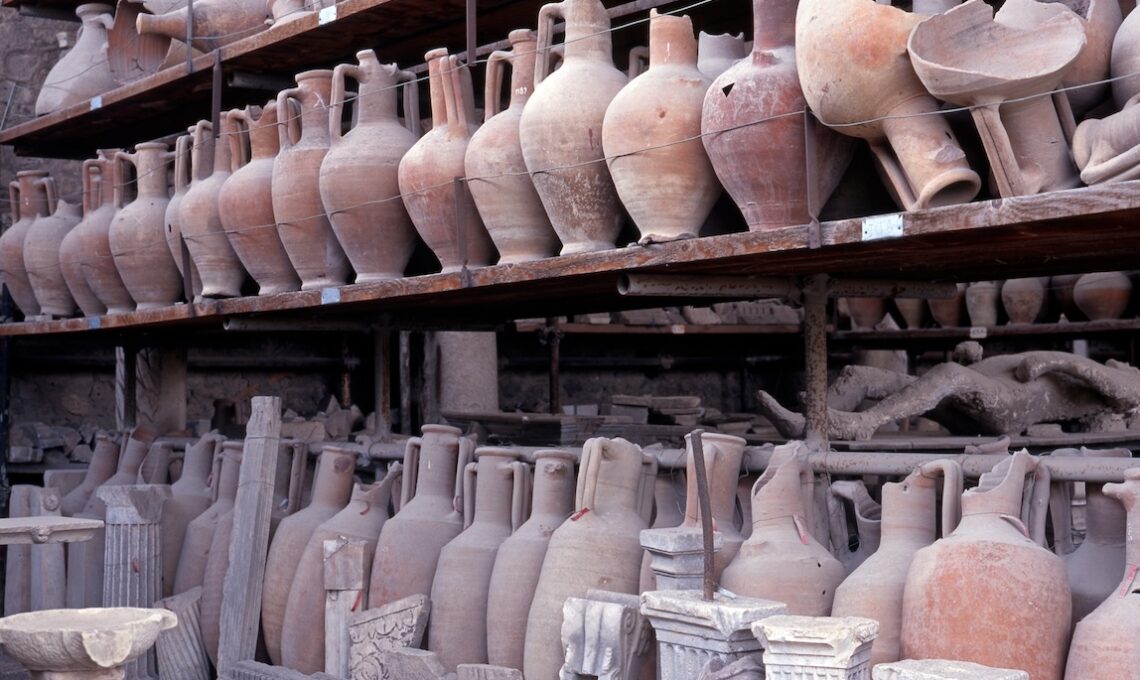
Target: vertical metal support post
554 338
406 382
345 374
126 382
189 36
382 383
461 221
216 98
815 362
471 24
5 421
811 175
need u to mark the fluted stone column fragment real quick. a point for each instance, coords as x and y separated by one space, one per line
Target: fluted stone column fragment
181 651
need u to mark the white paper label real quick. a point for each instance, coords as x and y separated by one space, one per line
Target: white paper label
677 329
330 296
97 102
882 226
94 322
978 332
326 15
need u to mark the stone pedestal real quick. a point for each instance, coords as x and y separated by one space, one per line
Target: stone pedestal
816 647
693 633
132 563
49 570
677 556
18 562
181 651
604 635
937 669
482 671
372 632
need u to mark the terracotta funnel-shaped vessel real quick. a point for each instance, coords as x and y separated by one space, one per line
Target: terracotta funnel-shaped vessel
955 55
138 235
42 256
28 199
862 80
83 72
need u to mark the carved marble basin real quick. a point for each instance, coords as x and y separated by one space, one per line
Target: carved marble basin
77 640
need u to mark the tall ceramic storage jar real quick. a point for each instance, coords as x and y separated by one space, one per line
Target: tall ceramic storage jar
83 72
187 154
949 603
724 454
598 547
104 461
651 137
189 498
718 53
428 170
28 199
1103 295
98 263
1106 643
71 248
875 589
245 202
200 213
217 560
408 550
781 560
494 499
138 236
359 181
518 562
1023 299
303 635
331 490
301 220
199 535
496 171
1094 567
561 127
42 257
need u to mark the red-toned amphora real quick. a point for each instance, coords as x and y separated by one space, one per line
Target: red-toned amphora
723 456
982 298
214 22
302 224
41 255
138 232
104 462
430 497
71 248
598 547
496 171
518 562
718 53
359 182
866 312
868 515
83 72
218 266
188 158
217 560
428 171
189 498
1106 643
1100 295
302 634
862 81
199 534
1094 567
28 199
651 137
494 504
753 128
875 589
561 127
990 570
245 201
331 489
947 312
781 560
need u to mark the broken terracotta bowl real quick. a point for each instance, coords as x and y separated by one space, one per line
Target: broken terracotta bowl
79 640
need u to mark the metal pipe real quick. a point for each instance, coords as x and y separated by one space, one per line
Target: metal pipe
727 287
887 288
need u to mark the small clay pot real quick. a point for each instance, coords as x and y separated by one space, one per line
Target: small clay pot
1103 295
1023 299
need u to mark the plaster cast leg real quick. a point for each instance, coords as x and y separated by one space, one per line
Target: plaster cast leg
1117 382
857 383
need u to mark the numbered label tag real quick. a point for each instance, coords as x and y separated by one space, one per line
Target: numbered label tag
330 296
94 322
978 332
882 226
326 15
97 102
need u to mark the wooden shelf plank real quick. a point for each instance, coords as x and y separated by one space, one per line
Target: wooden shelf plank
671 329
1077 230
1064 329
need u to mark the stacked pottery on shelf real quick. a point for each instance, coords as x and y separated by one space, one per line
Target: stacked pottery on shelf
97 262
982 299
199 534
245 201
561 127
189 498
83 72
1094 567
359 179
188 158
1103 295
217 560
28 200
71 248
42 256
496 170
1023 299
947 312
215 23
428 171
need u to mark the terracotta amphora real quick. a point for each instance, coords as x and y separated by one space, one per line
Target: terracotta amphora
651 137
670 492
598 547
1099 295
561 127
200 531
495 504
138 232
496 171
96 260
245 202
1101 20
187 154
200 213
302 224
519 559
104 462
359 178
947 312
866 312
189 498
781 560
1061 286
83 72
217 560
1023 299
1095 566
868 515
429 516
1106 643
723 456
754 133
28 199
41 255
302 634
982 299
862 81
718 53
71 252
909 523
428 171
331 489
215 22
950 603
131 55
912 311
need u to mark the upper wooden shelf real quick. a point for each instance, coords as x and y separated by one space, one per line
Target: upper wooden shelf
1079 230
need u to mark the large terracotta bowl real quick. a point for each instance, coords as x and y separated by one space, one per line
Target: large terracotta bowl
82 639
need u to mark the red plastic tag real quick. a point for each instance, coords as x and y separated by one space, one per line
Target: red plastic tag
578 515
1129 579
367 507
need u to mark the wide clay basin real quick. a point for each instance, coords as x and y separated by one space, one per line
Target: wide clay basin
82 639
969 56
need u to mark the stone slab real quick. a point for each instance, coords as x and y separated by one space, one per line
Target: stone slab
395 625
940 669
29 530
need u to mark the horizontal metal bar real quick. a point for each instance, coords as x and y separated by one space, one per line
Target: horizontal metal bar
295 326
886 288
722 287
